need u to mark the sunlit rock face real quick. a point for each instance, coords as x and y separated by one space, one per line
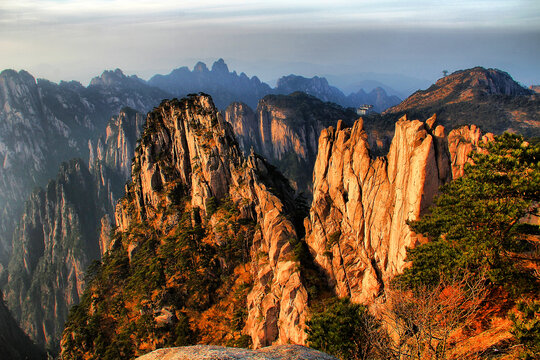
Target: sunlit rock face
357 227
461 143
285 130
489 98
187 154
202 152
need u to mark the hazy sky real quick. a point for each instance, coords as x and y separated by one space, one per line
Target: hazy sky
78 39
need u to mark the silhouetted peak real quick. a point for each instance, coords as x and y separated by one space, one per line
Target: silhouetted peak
220 67
109 77
22 75
200 67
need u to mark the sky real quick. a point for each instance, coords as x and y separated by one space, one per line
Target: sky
78 39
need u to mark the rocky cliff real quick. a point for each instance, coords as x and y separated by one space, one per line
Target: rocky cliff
110 156
461 142
357 227
285 130
489 98
56 241
43 124
57 237
204 246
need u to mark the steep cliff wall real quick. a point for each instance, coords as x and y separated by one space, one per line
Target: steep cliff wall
57 237
43 124
285 130
191 181
357 229
56 241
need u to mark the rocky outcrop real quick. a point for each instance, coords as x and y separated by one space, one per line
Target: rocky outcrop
14 343
205 156
56 241
357 227
285 130
489 98
43 124
202 352
57 237
461 143
188 161
110 157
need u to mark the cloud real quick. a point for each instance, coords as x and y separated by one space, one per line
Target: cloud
80 38
301 13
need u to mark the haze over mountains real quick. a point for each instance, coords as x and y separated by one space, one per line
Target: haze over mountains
190 180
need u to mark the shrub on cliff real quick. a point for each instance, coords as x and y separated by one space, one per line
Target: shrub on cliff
475 225
345 330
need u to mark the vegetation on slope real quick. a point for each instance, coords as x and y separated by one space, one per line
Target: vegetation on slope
148 297
482 245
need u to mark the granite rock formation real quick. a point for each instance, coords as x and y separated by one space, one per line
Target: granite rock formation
56 241
285 129
461 142
57 237
43 124
205 352
188 161
357 227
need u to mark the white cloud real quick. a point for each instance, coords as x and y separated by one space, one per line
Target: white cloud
496 13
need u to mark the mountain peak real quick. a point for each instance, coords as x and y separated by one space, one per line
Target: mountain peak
498 102
109 77
220 67
200 67
487 81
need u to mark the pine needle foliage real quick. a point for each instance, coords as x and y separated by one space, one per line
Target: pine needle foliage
476 225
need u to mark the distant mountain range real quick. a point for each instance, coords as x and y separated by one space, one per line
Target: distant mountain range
226 87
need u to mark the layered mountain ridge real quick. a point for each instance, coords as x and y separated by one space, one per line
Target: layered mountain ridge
194 193
43 124
226 87
319 87
56 239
